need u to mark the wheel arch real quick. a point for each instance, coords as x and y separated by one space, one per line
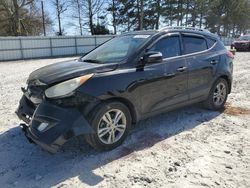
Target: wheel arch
226 77
128 104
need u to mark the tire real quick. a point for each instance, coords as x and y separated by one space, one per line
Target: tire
109 134
217 101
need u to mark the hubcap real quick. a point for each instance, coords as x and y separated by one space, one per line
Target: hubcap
111 126
220 93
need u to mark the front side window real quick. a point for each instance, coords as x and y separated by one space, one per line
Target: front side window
116 49
194 44
169 47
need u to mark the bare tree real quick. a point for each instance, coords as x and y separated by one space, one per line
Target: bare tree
36 21
90 9
61 7
77 4
13 9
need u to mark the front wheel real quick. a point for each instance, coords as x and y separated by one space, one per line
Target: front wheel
218 95
111 123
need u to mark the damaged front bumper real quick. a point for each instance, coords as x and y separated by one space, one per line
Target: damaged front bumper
50 125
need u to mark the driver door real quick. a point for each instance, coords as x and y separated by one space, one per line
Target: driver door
166 82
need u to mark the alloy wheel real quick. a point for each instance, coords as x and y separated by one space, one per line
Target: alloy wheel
220 94
111 126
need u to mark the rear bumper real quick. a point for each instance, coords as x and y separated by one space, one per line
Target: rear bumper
62 123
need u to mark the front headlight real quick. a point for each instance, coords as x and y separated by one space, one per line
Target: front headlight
66 88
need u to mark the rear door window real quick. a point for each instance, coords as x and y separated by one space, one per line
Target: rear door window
169 46
194 44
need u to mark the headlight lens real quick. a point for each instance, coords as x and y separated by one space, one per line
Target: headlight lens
66 88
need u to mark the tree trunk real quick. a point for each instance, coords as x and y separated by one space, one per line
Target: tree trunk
128 24
79 16
187 12
181 11
233 30
158 14
44 29
91 23
59 18
141 14
114 16
171 13
17 27
194 16
201 17
178 13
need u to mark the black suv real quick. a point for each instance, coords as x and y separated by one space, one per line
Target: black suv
131 77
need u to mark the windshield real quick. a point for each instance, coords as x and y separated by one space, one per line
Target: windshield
115 50
244 38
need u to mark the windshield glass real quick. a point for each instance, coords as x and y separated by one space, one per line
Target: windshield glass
244 38
115 50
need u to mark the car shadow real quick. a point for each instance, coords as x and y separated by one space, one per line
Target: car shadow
24 164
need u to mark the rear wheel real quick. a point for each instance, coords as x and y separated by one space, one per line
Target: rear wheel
218 95
111 122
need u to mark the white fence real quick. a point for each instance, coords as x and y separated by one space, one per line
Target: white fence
14 48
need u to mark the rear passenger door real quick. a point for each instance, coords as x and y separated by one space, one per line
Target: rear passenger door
202 63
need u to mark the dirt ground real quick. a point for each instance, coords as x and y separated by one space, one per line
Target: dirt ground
190 147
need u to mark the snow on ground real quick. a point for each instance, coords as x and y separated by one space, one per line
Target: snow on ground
190 147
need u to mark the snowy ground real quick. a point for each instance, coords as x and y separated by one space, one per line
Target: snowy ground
191 147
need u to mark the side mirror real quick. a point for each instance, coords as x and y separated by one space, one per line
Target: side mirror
152 57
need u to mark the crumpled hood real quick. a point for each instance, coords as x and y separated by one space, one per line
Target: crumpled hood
66 70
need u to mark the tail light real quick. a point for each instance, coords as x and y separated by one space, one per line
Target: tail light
230 54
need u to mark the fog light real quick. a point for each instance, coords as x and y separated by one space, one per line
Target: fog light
42 126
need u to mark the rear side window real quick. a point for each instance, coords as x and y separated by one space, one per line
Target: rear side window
169 47
194 44
210 42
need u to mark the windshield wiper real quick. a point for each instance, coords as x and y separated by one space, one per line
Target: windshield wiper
91 61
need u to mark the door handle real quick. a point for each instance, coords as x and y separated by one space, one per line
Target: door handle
181 69
214 62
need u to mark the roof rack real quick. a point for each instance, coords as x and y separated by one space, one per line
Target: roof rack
183 27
